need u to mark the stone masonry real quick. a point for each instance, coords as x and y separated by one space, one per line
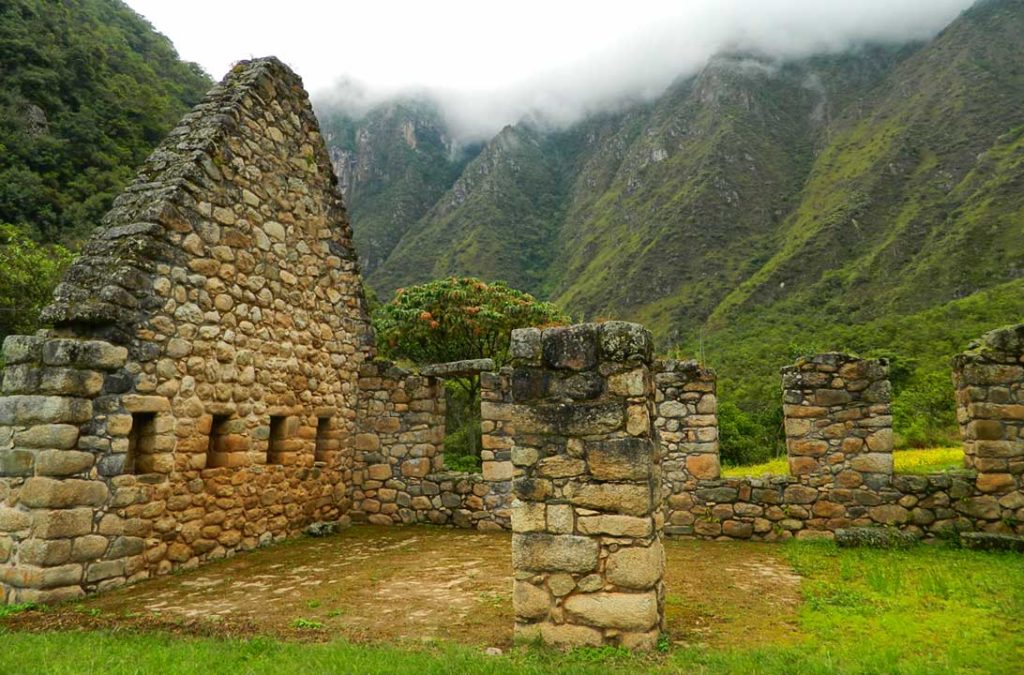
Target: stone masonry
209 386
989 381
587 555
399 474
838 420
687 424
197 394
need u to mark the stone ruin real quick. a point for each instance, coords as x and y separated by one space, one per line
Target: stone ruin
210 385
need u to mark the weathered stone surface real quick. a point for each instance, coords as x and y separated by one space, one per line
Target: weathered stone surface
560 553
616 526
636 567
620 459
873 537
468 368
625 611
625 498
530 602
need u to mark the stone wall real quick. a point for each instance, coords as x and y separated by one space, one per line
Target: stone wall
687 425
587 555
838 419
400 476
839 442
989 381
197 394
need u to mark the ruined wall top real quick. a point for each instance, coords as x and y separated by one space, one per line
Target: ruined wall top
108 292
1003 345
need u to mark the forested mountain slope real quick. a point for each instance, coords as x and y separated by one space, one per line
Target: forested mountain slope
87 90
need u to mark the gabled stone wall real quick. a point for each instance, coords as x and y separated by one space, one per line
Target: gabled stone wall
197 394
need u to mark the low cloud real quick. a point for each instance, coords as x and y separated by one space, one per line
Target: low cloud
642 62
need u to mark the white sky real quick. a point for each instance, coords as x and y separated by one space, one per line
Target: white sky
494 61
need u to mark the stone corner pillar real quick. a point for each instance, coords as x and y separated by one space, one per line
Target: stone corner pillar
838 420
587 553
989 381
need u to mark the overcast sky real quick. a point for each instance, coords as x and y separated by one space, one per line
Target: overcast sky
492 62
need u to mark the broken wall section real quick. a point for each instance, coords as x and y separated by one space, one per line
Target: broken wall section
400 477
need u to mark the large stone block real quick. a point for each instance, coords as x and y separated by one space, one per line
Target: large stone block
623 341
623 611
30 410
61 494
620 459
555 553
530 602
625 498
55 436
616 526
59 524
636 567
571 347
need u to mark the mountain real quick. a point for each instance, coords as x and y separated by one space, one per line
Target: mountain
868 200
87 90
393 163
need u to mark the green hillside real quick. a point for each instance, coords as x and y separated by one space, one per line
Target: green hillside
870 200
87 90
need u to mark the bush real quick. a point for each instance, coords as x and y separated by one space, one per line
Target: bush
28 274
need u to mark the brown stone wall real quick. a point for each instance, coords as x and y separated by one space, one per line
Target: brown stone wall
223 418
587 555
989 383
839 439
838 419
400 476
687 425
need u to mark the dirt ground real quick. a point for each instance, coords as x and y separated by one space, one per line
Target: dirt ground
372 584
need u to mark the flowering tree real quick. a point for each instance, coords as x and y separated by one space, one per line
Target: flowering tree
452 320
457 318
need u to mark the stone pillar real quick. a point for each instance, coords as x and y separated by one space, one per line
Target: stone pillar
838 419
587 555
687 424
54 447
989 381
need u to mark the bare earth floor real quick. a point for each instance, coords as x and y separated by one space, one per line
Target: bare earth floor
374 584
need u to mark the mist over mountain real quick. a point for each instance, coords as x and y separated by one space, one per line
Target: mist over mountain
862 199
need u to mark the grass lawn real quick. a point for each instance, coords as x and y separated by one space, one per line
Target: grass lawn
906 461
927 610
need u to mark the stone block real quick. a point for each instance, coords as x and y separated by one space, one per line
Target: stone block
416 468
17 463
571 347
63 462
556 553
60 524
497 471
704 466
56 436
616 526
873 462
30 410
136 403
529 516
623 611
42 492
379 471
530 602
631 383
567 635
624 498
559 466
618 459
636 567
44 552
22 349
622 341
560 518
525 346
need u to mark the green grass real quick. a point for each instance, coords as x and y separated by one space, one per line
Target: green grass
928 460
925 610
